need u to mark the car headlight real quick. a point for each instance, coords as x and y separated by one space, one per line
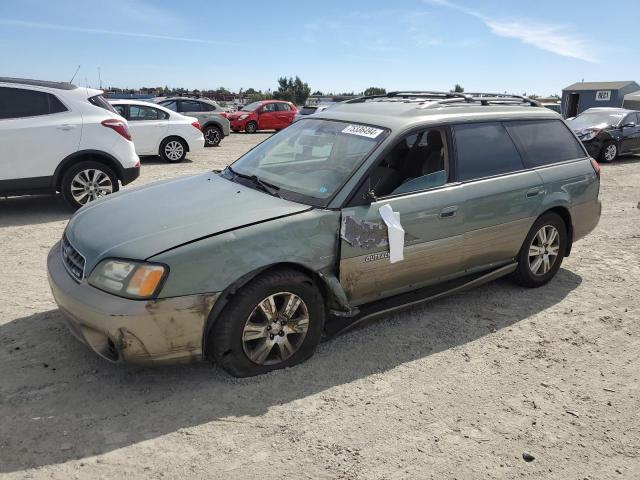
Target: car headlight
587 135
127 278
242 117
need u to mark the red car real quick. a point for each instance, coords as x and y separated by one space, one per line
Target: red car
264 115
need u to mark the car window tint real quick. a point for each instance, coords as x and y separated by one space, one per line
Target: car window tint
172 105
483 150
121 109
270 107
207 107
141 112
190 106
544 142
20 103
284 107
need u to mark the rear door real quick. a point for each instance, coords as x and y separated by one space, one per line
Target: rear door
501 198
285 115
148 128
37 131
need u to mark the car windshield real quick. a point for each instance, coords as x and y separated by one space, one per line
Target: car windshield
593 119
251 107
309 161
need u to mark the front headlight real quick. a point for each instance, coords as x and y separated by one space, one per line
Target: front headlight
242 117
127 278
587 135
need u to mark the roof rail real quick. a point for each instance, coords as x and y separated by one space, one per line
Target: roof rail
438 98
502 98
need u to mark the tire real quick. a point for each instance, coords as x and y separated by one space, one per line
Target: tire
212 136
527 275
87 181
173 150
608 153
243 332
251 127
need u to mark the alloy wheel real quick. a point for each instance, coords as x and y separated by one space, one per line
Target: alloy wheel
275 329
90 184
174 150
212 136
544 250
610 152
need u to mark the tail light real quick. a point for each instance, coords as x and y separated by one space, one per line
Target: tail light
118 126
197 125
224 114
596 167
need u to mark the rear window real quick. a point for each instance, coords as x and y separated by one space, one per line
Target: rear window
308 110
483 150
21 103
545 142
100 101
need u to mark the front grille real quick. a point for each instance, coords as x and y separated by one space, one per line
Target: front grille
72 259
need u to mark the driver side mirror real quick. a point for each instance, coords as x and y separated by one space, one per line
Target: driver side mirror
629 125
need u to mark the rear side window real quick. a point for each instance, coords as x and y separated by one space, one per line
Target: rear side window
21 103
483 150
142 112
100 101
544 142
189 106
171 105
284 107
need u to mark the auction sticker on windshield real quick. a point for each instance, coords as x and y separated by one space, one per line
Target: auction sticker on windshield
362 130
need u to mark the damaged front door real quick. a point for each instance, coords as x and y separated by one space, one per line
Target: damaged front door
433 244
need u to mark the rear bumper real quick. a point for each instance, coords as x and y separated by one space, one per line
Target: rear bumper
121 330
585 218
128 175
196 144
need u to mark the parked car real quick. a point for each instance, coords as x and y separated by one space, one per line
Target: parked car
309 110
359 210
156 130
608 132
263 115
212 117
56 137
555 107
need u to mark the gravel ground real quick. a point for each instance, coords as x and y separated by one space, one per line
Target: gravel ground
458 388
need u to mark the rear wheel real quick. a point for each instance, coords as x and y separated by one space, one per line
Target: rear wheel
542 252
609 152
251 127
87 181
274 322
212 136
173 150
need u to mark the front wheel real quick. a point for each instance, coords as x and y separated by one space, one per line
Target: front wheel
609 152
542 252
173 150
251 127
274 322
87 181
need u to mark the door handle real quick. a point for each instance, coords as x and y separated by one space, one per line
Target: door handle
66 126
534 192
448 212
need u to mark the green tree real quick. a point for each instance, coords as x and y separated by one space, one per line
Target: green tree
458 88
292 90
317 93
375 91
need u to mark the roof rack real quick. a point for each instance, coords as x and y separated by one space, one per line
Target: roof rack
434 98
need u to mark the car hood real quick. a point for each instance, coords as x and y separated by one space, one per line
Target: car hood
143 222
579 127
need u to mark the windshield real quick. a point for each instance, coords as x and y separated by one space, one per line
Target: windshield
251 107
311 160
594 119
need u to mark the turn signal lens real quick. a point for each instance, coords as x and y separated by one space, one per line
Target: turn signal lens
145 280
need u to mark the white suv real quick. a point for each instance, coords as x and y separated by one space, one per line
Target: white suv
56 137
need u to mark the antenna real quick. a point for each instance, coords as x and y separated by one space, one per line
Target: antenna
74 75
99 78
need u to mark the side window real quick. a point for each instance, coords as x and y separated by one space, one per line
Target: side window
483 150
206 107
121 109
631 118
269 107
543 142
141 113
419 161
21 103
190 106
172 105
284 107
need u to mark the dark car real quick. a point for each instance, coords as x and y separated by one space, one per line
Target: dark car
608 132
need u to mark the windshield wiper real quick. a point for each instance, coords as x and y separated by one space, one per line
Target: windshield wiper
265 186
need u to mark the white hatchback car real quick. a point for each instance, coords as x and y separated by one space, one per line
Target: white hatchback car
156 130
57 137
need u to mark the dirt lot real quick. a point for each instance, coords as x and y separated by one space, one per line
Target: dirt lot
458 388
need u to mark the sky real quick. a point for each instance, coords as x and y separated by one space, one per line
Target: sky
516 46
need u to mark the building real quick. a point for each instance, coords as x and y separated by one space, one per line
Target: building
578 97
632 101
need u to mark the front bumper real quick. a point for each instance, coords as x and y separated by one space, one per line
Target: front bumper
134 331
593 147
238 124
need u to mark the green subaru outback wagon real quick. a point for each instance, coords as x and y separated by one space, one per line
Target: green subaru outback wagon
375 204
